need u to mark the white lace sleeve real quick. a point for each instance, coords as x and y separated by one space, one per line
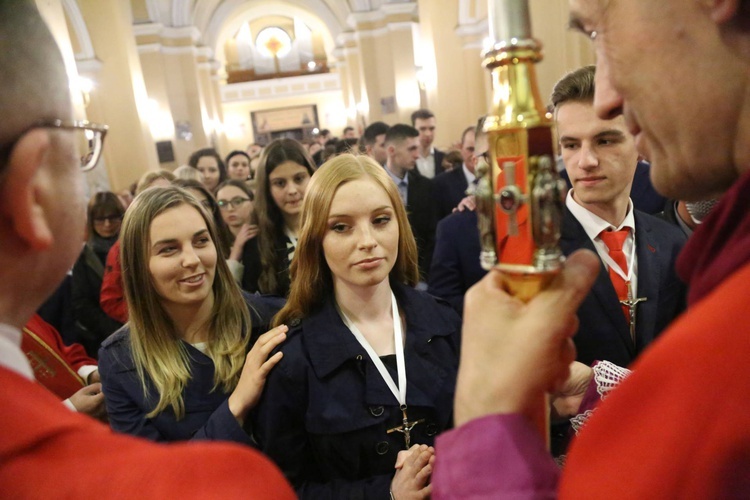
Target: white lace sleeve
607 376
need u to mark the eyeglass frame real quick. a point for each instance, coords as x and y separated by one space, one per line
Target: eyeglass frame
224 204
96 128
110 218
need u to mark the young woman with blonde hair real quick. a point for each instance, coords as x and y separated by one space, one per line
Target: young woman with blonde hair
180 369
336 411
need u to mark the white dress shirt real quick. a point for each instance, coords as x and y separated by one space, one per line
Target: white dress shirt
594 225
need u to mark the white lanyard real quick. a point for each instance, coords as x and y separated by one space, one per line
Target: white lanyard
628 261
398 391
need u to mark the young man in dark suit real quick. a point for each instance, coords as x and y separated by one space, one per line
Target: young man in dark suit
450 187
430 159
600 159
402 150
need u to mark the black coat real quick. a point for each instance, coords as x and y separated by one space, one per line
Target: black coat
420 209
325 412
450 189
253 265
93 323
455 262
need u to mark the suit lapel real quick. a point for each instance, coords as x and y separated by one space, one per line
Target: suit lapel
573 237
649 269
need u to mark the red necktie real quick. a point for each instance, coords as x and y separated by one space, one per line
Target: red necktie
614 241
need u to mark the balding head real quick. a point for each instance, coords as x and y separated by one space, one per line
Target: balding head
42 209
33 81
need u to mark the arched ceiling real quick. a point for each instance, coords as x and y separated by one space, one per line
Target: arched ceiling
219 19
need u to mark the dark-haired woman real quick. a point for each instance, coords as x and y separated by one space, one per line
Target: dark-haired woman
282 176
235 201
238 165
104 216
209 163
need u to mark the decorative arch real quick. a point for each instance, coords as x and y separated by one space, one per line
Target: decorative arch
230 15
81 32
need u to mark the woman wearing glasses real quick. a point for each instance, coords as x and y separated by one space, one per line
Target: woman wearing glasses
180 369
104 218
235 201
282 176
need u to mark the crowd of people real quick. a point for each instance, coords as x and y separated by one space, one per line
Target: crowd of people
315 320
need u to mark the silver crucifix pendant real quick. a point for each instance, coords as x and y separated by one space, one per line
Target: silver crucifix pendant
405 427
631 304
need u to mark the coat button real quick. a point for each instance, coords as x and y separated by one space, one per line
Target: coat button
376 411
431 429
359 357
382 447
294 322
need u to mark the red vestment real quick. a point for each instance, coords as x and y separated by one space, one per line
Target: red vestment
47 451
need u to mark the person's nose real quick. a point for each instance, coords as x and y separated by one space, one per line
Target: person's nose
367 239
190 257
608 102
587 158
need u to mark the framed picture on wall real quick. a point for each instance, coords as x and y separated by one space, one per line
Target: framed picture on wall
296 122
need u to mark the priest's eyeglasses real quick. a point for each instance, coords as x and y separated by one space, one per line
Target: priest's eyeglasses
89 138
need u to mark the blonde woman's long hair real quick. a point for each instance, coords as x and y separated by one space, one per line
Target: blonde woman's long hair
312 282
159 355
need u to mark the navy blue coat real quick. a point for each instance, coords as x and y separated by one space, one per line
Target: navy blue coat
207 414
603 332
325 412
455 263
450 189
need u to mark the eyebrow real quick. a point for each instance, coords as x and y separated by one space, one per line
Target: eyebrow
379 209
603 133
174 240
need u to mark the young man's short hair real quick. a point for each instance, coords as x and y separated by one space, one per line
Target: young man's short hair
421 114
576 86
400 132
371 133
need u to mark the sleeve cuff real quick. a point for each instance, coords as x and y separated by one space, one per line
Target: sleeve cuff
85 371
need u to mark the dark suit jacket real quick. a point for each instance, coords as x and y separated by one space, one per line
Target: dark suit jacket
603 333
439 156
421 211
642 192
450 189
455 262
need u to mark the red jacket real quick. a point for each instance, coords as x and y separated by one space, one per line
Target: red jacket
112 296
